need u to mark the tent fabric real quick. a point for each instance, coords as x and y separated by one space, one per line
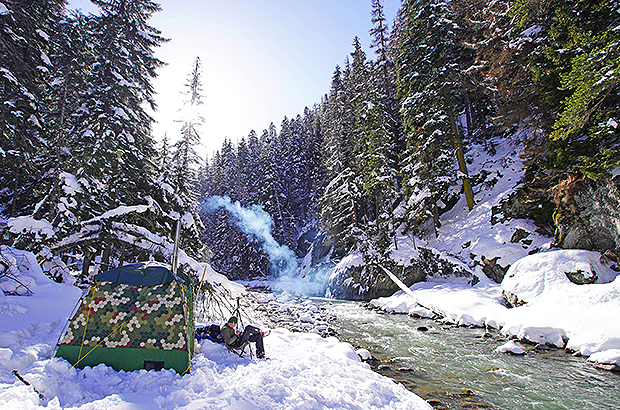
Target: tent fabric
138 274
128 359
130 327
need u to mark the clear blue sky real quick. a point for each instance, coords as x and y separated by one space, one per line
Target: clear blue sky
261 59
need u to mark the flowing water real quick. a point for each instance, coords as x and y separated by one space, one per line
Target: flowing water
457 368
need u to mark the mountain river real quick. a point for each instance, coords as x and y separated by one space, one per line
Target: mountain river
456 367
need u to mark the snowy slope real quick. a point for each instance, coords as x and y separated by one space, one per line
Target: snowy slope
583 318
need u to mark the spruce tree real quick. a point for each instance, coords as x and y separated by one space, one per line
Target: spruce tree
429 66
185 160
341 199
112 137
27 37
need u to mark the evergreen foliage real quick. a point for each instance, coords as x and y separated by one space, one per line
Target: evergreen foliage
76 145
430 66
27 39
383 154
578 73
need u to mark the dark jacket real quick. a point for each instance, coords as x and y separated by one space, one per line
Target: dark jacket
228 334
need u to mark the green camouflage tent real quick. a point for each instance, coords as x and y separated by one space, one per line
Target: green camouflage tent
138 316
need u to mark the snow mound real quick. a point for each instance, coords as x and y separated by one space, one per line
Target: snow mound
543 335
611 356
531 277
33 298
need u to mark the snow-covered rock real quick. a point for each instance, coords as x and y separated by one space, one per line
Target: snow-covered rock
363 354
510 347
611 356
532 276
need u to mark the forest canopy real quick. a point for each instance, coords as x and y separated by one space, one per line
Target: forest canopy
384 151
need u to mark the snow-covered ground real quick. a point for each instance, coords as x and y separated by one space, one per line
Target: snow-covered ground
304 370
582 318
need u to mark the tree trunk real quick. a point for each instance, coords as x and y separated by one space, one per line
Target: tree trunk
460 156
86 265
121 260
105 258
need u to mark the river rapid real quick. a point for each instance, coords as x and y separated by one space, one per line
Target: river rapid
457 368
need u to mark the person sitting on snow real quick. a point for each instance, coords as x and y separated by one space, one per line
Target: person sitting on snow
235 338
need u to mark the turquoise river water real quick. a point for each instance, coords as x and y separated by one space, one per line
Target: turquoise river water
457 368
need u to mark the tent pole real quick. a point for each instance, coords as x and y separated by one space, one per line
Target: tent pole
175 253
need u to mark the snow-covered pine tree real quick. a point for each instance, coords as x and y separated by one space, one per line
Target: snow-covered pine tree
314 179
163 157
227 182
185 163
244 174
429 63
184 159
117 144
277 195
72 60
381 130
340 200
254 169
27 36
112 139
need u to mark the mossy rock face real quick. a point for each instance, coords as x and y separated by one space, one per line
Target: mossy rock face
369 281
590 219
581 213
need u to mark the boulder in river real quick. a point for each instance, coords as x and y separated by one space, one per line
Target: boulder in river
357 279
511 348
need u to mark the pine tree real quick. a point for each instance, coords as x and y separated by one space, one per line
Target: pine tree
185 160
254 169
429 66
502 68
26 42
381 126
340 202
112 138
313 136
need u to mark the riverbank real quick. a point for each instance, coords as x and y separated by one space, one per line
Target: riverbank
579 318
457 367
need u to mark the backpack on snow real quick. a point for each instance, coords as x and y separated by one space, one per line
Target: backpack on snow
211 333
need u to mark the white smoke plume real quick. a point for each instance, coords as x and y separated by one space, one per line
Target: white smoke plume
256 222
